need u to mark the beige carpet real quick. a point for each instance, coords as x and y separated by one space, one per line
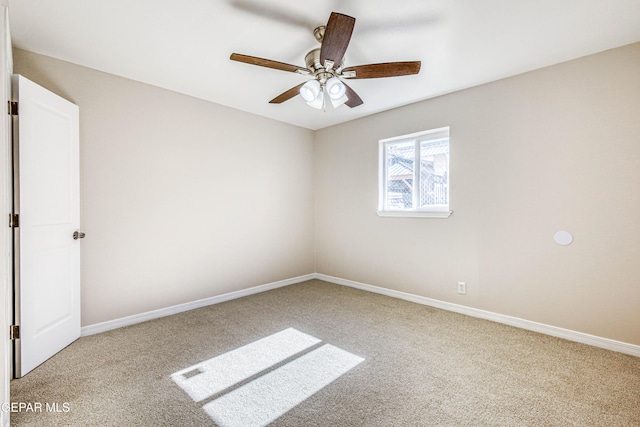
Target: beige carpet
406 365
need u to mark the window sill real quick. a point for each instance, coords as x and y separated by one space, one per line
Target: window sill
415 214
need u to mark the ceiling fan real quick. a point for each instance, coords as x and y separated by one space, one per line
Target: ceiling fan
326 65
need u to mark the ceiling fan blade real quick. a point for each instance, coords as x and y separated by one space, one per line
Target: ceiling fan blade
386 69
285 96
354 100
253 60
336 38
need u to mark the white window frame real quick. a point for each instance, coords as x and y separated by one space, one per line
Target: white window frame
433 211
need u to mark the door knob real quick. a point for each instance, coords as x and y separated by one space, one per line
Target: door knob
78 235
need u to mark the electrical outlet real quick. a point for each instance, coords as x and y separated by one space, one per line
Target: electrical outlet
462 288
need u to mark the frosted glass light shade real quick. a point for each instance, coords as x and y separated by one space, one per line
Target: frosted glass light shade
318 102
335 88
310 90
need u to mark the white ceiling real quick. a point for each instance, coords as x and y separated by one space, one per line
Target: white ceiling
185 45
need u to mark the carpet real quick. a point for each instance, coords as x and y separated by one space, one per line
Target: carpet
320 354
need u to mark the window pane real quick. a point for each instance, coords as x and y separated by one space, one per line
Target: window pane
413 179
399 178
434 173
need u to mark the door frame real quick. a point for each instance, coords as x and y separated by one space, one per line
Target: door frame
6 197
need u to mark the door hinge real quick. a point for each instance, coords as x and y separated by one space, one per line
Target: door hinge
14 332
13 108
14 220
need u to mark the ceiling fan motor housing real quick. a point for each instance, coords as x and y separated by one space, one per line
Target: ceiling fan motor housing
312 61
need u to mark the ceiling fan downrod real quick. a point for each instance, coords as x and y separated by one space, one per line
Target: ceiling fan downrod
318 33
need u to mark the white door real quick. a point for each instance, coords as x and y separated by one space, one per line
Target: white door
47 200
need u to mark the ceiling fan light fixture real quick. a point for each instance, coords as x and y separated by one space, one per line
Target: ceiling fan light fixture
336 89
338 102
318 102
311 91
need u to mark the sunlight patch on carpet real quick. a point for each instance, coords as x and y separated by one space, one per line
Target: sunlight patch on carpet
269 396
228 369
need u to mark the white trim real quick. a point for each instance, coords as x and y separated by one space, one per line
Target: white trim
442 132
414 214
605 343
168 311
6 200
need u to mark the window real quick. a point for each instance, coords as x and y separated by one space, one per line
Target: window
414 175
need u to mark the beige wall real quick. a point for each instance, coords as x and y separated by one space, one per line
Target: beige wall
181 199
184 199
554 149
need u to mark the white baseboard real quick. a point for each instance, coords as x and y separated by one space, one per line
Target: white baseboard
554 331
168 311
567 334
